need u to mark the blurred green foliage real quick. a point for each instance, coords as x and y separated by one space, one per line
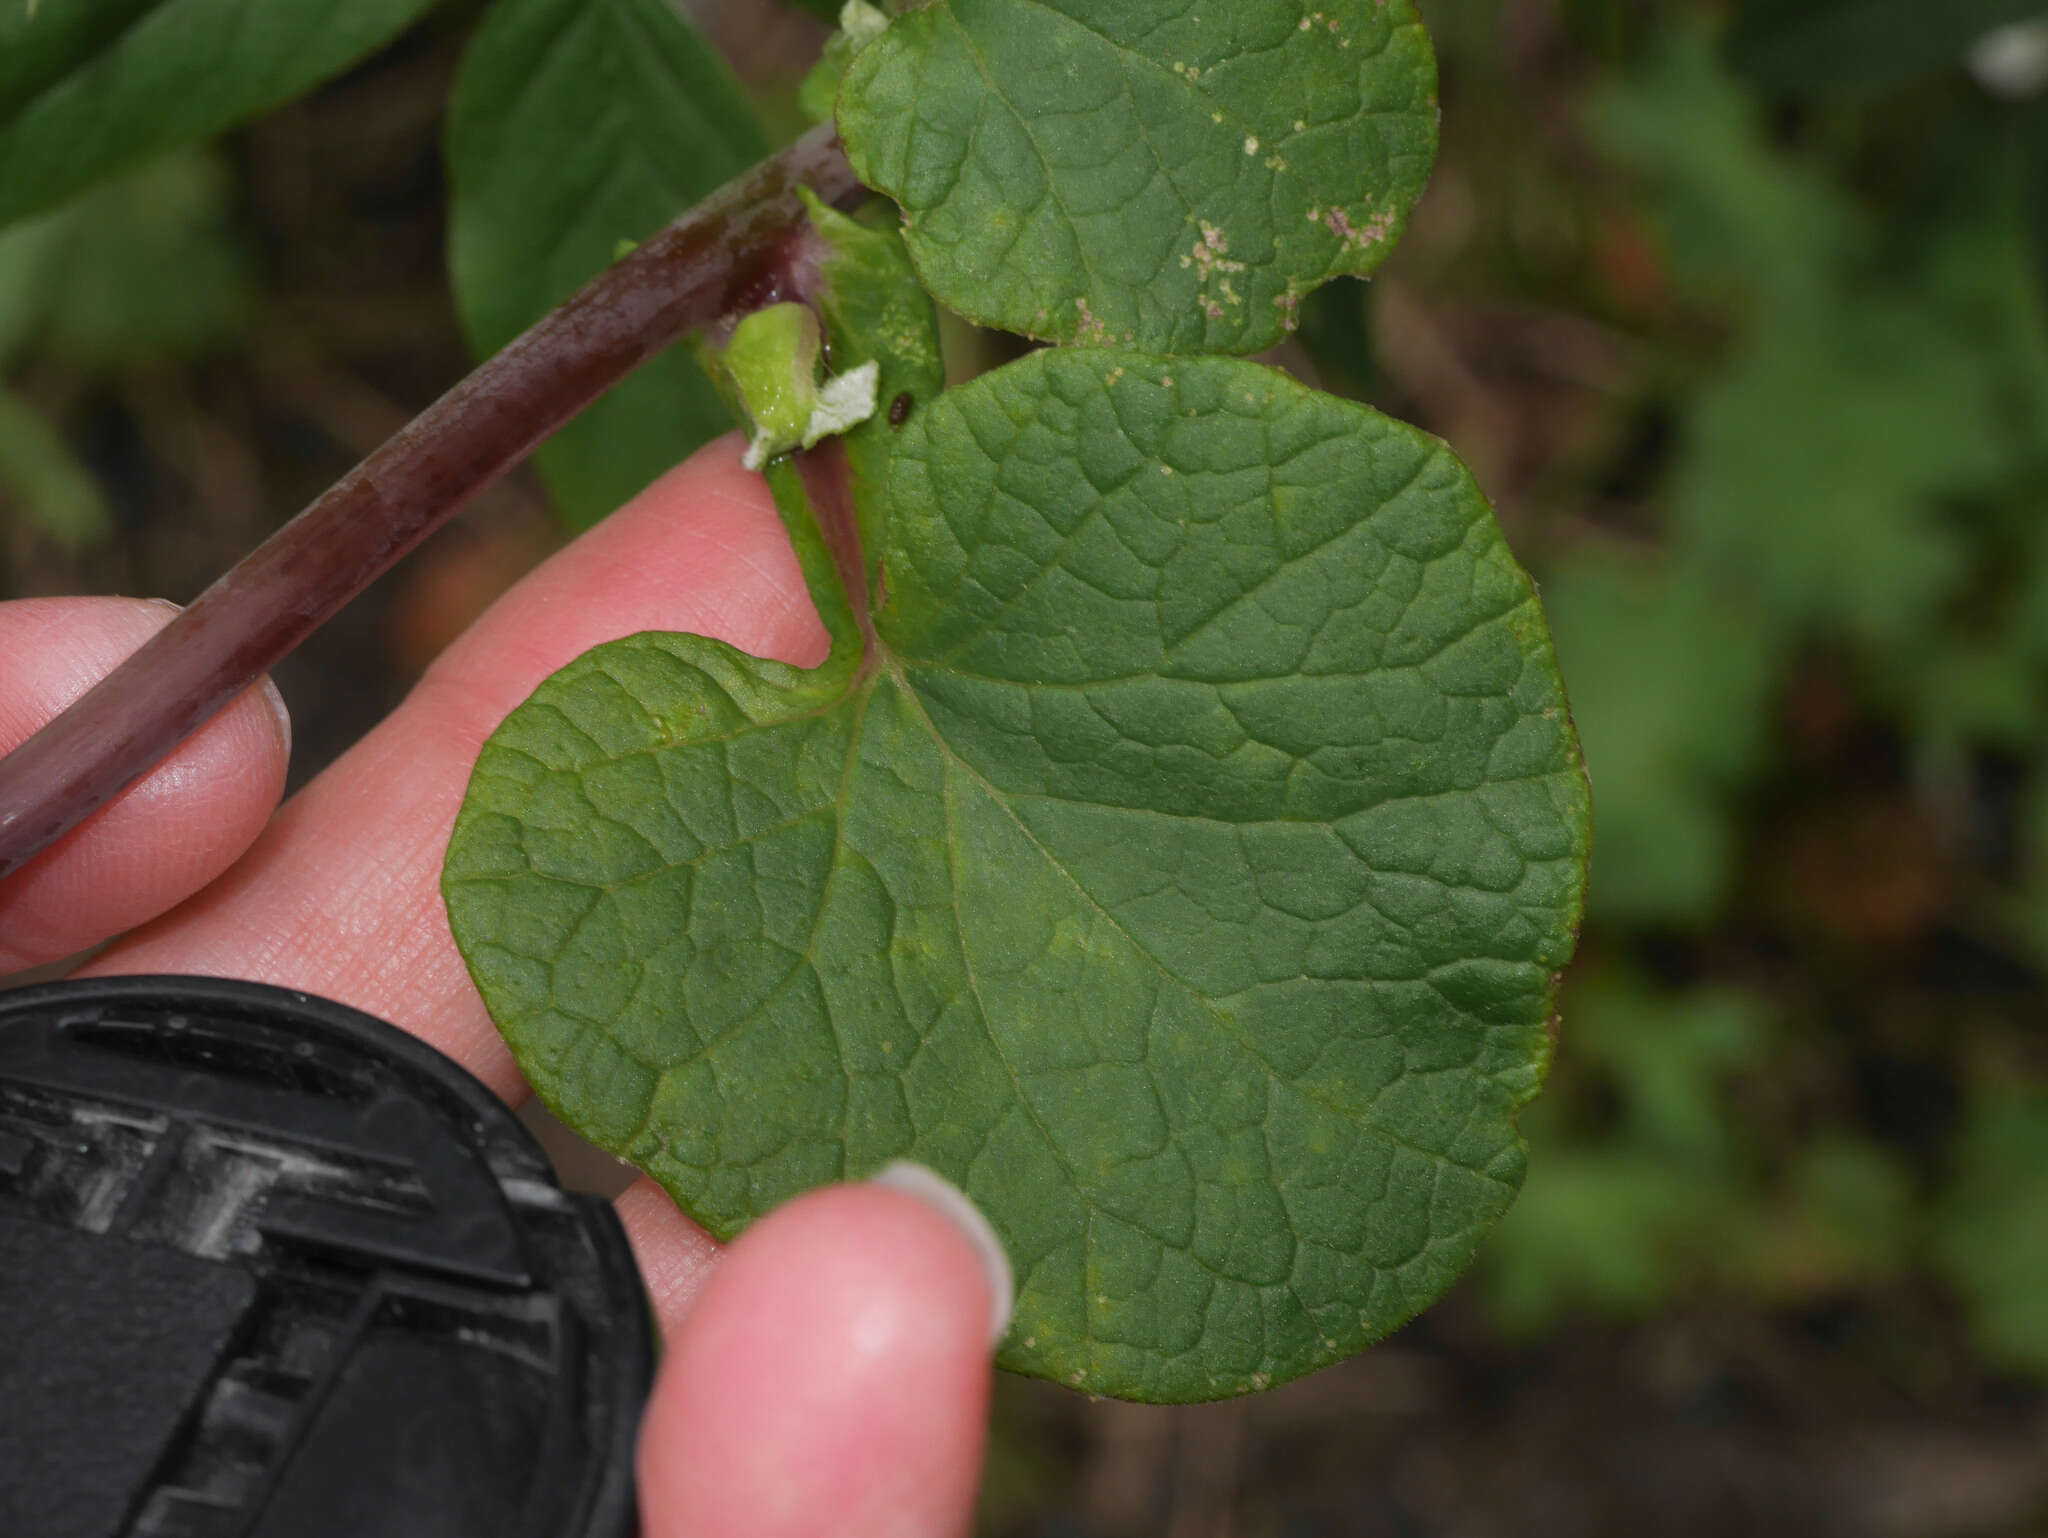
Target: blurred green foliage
146 266
1873 423
93 88
1852 345
1858 44
1642 1178
1668 683
1990 1237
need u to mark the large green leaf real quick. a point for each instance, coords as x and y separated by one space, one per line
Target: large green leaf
88 87
1181 866
1114 171
577 124
1861 43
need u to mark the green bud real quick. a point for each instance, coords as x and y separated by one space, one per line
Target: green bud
772 360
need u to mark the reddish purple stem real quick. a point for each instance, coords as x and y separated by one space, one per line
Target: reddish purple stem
727 254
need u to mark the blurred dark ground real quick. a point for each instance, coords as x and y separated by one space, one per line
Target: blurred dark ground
1756 366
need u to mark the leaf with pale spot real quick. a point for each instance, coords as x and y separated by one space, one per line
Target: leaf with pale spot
1120 172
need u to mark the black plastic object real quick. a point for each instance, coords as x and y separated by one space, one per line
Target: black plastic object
271 1268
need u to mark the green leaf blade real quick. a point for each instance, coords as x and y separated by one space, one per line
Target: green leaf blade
1084 171
90 87
1217 983
635 773
1230 800
574 126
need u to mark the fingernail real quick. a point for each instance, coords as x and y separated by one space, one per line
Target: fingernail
952 1204
165 603
279 712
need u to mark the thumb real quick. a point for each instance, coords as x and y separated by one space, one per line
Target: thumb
833 1375
163 838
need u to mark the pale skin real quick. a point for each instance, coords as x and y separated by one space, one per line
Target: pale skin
827 1372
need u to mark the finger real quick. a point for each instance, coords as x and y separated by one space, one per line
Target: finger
675 1256
164 837
341 895
833 1377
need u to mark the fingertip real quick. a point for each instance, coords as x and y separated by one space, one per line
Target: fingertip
833 1375
957 1208
166 836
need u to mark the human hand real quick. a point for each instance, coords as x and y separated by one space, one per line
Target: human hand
830 1370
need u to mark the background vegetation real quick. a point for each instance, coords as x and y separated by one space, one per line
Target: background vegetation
1741 313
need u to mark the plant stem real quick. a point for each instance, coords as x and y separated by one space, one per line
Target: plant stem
729 254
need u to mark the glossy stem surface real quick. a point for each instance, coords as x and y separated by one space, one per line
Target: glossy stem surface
728 254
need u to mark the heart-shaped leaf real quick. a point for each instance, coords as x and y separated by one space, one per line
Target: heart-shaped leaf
1181 868
1115 171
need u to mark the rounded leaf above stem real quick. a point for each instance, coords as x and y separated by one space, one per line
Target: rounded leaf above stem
1118 172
